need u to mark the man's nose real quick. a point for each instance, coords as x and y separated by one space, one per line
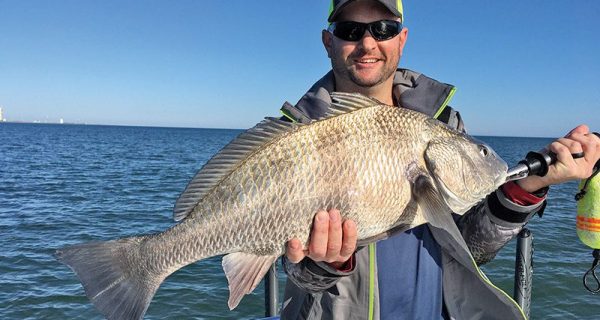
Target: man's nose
367 42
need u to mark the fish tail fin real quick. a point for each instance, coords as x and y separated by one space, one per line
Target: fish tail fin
111 277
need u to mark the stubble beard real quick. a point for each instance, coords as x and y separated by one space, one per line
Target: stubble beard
348 72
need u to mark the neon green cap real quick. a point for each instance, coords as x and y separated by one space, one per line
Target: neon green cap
395 7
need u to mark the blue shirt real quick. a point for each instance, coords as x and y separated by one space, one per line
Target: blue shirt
409 272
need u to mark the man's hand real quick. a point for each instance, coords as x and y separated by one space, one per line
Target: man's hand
331 240
566 168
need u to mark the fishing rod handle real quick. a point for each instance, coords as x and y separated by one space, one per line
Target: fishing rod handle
539 162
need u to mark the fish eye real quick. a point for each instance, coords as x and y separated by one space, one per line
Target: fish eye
483 150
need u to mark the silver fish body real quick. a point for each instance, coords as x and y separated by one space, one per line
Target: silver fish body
384 167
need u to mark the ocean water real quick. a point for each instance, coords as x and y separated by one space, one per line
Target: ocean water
66 184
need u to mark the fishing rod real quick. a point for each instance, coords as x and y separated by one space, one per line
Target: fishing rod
588 204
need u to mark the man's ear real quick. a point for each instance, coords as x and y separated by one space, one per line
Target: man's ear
403 38
326 37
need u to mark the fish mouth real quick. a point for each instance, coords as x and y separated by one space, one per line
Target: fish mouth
501 178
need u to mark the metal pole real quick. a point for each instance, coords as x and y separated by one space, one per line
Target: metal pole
524 270
271 291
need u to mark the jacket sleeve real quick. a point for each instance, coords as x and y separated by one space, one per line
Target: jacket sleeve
311 276
488 226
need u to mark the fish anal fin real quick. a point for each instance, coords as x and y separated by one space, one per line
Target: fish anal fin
244 272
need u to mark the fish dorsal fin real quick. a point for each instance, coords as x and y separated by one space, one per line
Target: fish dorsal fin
227 160
347 102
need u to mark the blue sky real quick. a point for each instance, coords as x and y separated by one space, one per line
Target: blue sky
522 68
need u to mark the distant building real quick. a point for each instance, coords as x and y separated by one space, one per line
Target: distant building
1 115
61 121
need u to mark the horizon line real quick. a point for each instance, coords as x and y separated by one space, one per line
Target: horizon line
215 128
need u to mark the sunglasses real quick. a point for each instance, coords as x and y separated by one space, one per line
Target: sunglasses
354 31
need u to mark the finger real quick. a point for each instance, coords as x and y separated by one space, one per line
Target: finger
334 241
294 251
595 142
593 145
590 145
582 129
563 153
573 143
567 167
319 236
578 155
575 148
350 236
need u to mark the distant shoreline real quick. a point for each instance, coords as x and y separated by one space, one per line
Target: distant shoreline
37 122
110 125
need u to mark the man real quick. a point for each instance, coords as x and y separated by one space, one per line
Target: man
423 273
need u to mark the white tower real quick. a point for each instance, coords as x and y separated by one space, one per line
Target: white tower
1 116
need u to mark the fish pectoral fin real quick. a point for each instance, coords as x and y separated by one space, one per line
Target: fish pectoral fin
430 202
244 271
434 209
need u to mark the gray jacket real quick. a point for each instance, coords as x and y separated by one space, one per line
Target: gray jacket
314 290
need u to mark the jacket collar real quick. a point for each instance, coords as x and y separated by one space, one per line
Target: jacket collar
411 90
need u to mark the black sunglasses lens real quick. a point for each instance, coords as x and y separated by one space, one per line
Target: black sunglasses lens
349 31
354 31
385 29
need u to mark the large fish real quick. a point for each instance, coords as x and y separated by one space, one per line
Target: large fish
386 168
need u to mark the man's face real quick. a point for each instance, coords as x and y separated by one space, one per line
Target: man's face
366 62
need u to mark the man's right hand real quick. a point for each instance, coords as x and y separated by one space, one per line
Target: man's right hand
331 240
